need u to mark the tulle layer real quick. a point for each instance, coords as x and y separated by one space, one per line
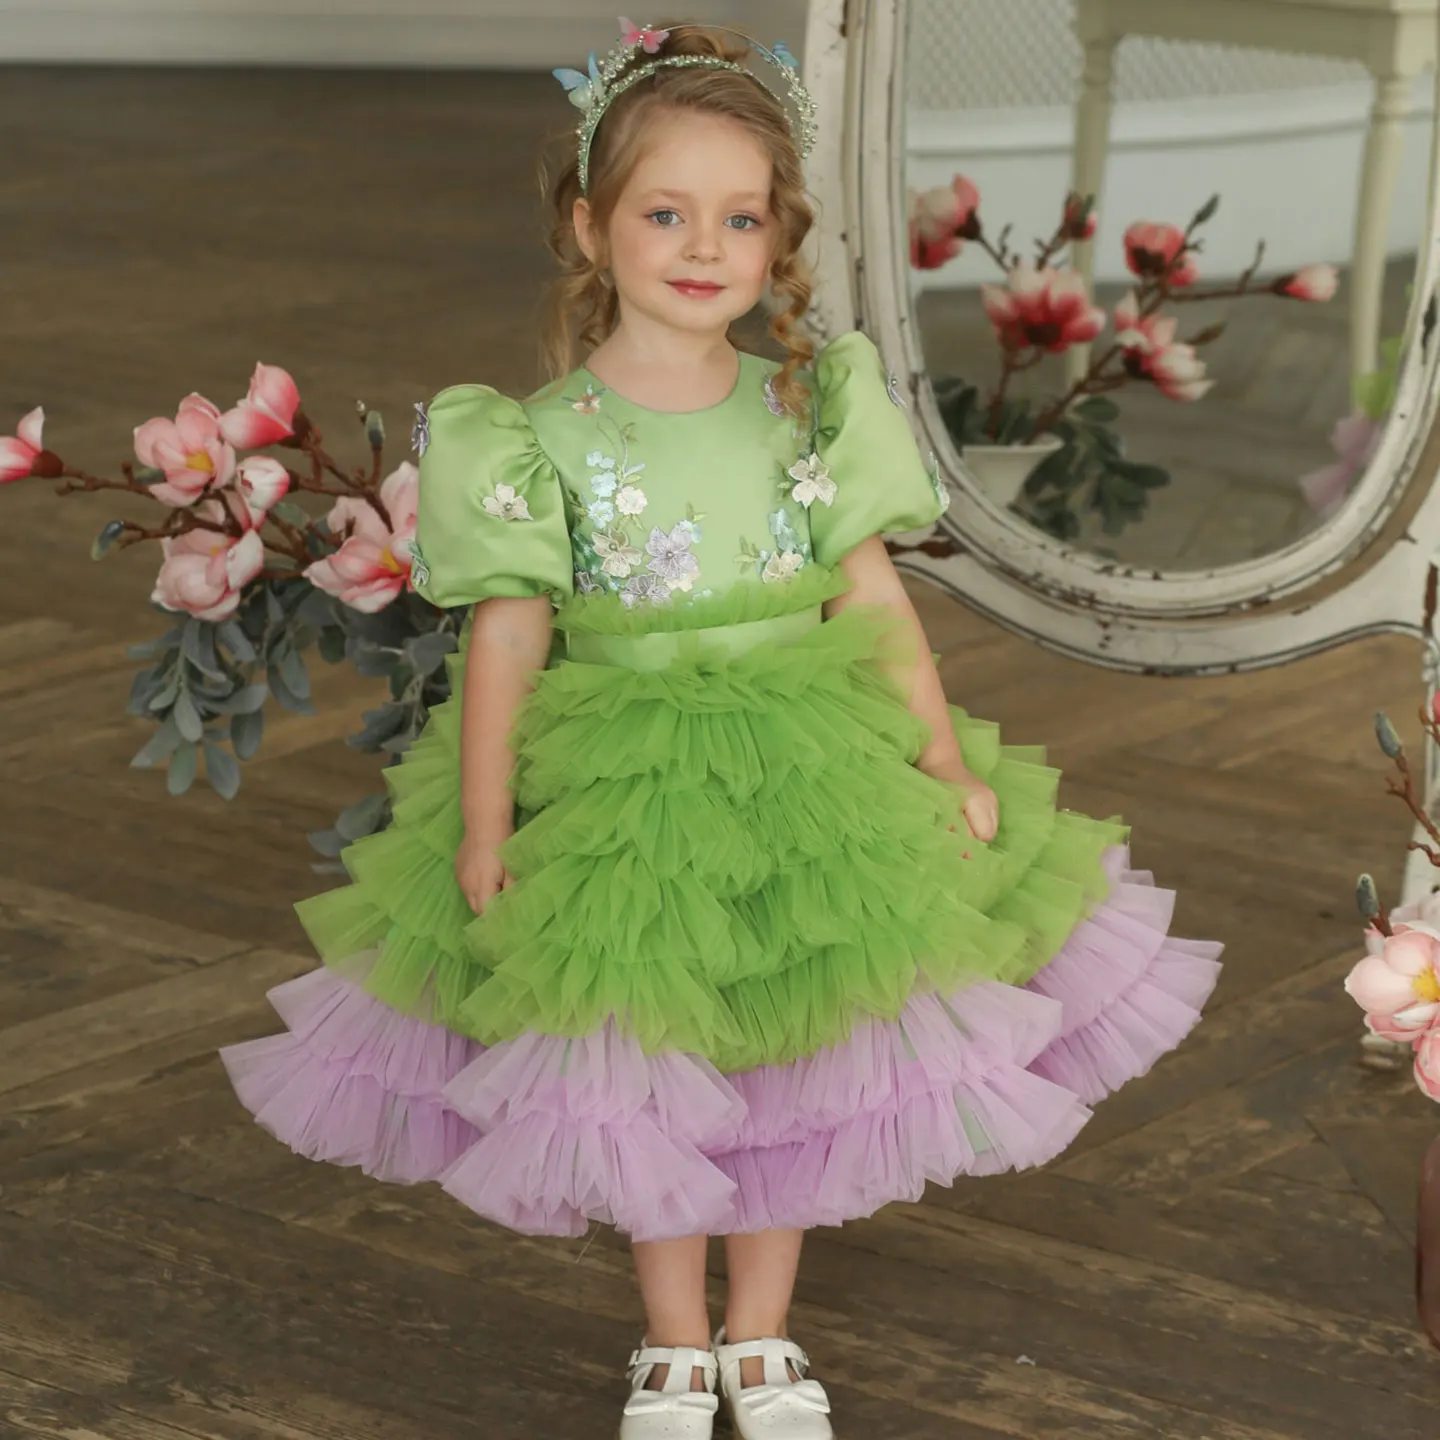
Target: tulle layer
733 858
546 1134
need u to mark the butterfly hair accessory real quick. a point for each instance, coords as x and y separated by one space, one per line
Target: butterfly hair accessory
591 90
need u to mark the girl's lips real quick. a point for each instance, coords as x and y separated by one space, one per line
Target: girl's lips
696 287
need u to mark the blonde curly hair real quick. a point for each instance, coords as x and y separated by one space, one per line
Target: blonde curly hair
581 304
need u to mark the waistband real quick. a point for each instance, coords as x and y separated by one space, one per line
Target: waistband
656 649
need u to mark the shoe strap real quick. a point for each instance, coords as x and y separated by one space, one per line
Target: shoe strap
777 1354
683 1361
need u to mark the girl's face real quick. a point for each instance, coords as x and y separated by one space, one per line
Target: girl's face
692 237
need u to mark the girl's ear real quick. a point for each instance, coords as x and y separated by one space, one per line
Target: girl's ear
584 223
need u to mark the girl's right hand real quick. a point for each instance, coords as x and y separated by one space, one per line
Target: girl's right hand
479 871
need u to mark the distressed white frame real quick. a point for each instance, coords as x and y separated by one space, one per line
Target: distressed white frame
1230 618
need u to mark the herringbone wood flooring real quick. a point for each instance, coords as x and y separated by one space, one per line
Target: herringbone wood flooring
1223 1254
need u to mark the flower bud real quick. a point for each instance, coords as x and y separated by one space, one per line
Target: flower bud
374 429
1385 734
1367 899
106 538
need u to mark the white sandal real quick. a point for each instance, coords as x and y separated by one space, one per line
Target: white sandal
780 1408
674 1412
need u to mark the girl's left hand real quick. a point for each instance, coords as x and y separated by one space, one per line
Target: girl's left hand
979 805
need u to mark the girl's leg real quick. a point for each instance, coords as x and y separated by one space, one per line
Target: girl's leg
762 1270
672 1285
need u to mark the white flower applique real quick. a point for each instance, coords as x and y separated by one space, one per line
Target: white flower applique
812 481
781 566
505 504
419 570
617 556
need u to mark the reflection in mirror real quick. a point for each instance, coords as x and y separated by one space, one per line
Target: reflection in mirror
1218 391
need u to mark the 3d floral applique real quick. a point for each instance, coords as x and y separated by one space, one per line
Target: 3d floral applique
782 565
812 481
942 491
670 557
616 555
420 431
419 569
772 400
647 589
892 389
505 504
587 403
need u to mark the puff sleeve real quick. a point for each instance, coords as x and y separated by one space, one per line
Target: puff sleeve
491 515
864 440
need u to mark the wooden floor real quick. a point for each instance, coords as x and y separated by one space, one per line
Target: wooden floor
1225 1253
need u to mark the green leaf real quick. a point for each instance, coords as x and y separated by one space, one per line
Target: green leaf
1098 410
197 645
1208 210
187 717
327 842
332 644
181 774
361 818
247 700
222 771
285 697
165 697
159 745
427 652
246 728
289 511
236 641
293 673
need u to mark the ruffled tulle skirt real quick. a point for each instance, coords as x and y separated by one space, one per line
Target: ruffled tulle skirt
747 975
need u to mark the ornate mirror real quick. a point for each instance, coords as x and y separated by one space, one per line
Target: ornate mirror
1180 427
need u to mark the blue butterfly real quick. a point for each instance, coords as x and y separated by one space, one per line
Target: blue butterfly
781 51
583 90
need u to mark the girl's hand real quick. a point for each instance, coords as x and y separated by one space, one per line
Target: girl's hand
979 805
479 871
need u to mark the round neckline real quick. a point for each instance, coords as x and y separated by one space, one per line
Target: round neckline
606 390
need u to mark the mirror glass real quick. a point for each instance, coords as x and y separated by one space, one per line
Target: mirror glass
1196 371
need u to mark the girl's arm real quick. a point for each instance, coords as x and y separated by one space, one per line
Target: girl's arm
875 581
509 642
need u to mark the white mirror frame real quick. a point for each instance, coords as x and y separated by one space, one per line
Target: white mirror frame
1083 605
1232 618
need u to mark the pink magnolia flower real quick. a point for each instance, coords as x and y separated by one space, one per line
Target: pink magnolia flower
1427 1064
261 481
1397 985
1154 250
941 220
1045 309
1310 282
267 413
20 451
1153 353
204 571
372 565
189 449
1354 438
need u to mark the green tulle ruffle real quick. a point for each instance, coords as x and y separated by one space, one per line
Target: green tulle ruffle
735 858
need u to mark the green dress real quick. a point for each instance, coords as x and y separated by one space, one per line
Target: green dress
747 975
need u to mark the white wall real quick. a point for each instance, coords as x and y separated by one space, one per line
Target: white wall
462 33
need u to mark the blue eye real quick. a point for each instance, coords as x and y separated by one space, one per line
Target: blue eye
748 222
656 214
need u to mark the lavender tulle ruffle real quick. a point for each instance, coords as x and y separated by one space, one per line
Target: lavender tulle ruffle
546 1134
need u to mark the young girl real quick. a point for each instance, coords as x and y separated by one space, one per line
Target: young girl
701 912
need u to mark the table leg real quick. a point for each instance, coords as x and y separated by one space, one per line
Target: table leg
1384 143
1092 143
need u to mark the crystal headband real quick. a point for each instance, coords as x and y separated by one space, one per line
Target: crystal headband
592 92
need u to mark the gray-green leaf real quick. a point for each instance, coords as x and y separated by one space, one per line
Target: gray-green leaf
222 771
181 775
246 729
1385 734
